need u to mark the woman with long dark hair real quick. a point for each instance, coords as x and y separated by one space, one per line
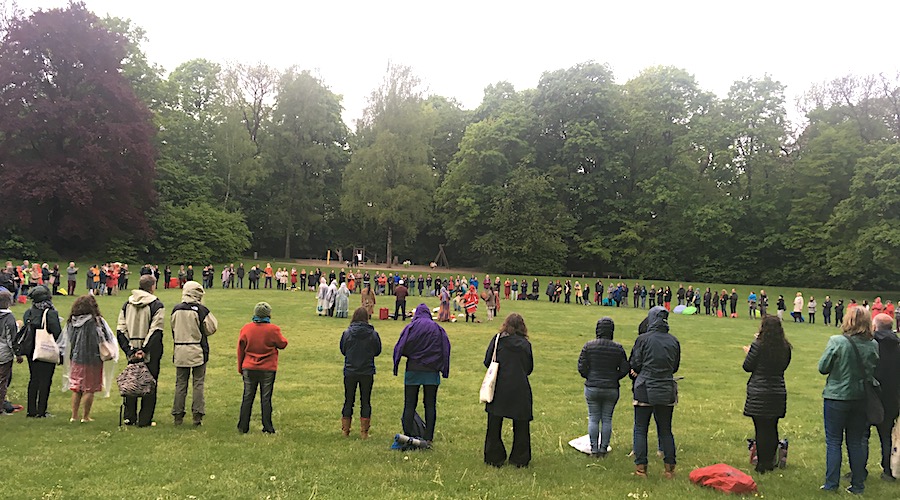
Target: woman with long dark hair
84 331
512 394
767 359
360 344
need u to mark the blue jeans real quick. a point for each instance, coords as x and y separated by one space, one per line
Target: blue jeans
601 404
846 417
663 416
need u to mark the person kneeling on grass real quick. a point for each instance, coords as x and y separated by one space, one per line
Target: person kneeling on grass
655 359
257 358
360 344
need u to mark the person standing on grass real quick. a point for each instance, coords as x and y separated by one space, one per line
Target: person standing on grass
602 364
269 274
887 372
512 394
681 294
427 350
667 298
400 294
72 275
767 359
41 372
139 331
733 303
798 308
723 303
707 300
811 309
655 358
781 307
367 300
192 324
257 363
240 271
839 313
490 302
81 339
8 331
751 301
360 345
331 298
342 301
763 303
470 303
651 294
826 310
849 361
715 304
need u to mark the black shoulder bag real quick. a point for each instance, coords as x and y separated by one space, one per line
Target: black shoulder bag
874 408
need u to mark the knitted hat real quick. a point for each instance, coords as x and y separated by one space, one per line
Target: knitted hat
605 328
39 293
262 310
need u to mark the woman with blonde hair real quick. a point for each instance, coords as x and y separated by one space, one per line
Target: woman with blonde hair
849 361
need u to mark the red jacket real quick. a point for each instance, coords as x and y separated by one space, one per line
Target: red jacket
258 346
471 300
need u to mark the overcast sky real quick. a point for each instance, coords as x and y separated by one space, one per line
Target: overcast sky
461 46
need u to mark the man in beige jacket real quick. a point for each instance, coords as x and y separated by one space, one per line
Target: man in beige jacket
192 324
139 331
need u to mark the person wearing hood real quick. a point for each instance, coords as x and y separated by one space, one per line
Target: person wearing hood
342 301
192 324
257 363
655 358
321 293
427 350
767 358
81 340
887 372
470 303
602 364
331 298
512 394
444 310
41 372
400 294
139 331
8 330
360 345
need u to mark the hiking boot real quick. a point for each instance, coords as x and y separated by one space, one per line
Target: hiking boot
364 424
670 471
640 470
198 419
345 426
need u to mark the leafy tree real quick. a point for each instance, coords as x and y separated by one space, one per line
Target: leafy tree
89 176
389 181
198 233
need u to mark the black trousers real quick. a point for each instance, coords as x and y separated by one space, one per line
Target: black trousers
884 434
365 383
411 400
265 382
495 452
39 386
148 403
766 442
400 306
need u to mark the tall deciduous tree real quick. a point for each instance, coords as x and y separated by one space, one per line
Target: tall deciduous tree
390 181
74 139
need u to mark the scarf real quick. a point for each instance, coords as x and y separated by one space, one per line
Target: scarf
257 319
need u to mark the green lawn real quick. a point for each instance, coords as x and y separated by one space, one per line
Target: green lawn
309 459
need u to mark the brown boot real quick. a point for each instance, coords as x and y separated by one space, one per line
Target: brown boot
364 424
670 471
640 470
345 425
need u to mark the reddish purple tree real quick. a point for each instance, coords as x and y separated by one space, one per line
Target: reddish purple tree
76 144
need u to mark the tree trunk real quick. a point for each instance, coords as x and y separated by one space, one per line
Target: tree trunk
390 236
287 242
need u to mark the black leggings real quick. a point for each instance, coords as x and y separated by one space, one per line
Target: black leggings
411 400
766 442
365 383
39 386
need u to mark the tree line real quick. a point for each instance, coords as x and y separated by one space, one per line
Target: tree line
102 152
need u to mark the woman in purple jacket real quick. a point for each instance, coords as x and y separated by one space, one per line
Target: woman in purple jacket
427 349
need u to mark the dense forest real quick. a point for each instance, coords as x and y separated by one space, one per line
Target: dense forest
102 152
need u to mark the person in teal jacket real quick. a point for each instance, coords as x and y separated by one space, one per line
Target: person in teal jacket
849 361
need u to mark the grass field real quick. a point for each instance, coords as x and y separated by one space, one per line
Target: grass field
309 459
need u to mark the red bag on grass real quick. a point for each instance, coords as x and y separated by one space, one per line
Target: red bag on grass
719 314
22 299
383 313
723 477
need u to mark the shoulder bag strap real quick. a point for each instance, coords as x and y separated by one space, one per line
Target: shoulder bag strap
859 363
496 344
44 320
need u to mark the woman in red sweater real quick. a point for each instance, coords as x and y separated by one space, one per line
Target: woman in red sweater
257 358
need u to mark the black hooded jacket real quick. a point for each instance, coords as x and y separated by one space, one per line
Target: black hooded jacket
656 357
887 372
360 344
602 362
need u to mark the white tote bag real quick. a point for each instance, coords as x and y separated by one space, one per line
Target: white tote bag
895 449
45 348
490 378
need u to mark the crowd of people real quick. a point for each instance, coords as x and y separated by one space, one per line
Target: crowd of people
866 351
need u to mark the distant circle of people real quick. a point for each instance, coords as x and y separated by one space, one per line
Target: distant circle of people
866 352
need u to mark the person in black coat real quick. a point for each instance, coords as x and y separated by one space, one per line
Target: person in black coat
603 364
360 345
707 300
887 372
41 372
733 302
767 359
655 358
512 394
